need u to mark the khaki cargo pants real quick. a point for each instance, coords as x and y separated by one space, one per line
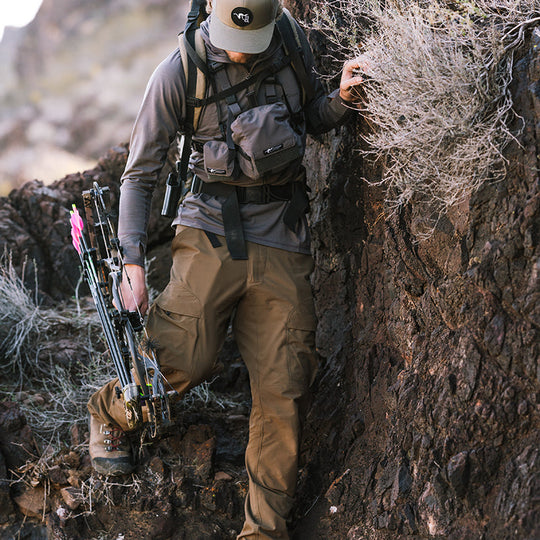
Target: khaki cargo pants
274 328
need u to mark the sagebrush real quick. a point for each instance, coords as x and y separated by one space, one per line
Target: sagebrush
437 98
51 358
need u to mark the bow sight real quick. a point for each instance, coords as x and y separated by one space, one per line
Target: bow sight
142 385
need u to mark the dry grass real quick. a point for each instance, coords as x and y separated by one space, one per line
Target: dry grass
438 97
94 490
51 381
203 396
21 322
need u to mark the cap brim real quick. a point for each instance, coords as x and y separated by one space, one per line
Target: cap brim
242 41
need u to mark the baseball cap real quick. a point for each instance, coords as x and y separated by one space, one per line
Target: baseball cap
244 26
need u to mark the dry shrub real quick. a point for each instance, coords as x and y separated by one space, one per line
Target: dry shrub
53 383
437 97
21 322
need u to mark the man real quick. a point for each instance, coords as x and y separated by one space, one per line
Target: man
241 245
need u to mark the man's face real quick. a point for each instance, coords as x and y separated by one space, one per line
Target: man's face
240 58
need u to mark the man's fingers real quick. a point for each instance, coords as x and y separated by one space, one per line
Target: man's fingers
360 63
347 84
133 289
143 308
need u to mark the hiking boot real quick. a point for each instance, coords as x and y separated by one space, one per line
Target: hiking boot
109 449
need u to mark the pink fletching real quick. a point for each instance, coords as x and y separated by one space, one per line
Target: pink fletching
77 226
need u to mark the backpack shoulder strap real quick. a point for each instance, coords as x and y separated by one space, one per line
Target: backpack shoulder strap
191 46
194 74
292 42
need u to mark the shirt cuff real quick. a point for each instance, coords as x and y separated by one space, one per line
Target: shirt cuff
340 108
132 251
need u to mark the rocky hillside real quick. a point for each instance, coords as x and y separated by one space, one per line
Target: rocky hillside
73 79
425 420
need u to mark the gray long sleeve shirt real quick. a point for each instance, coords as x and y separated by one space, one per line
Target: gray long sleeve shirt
161 116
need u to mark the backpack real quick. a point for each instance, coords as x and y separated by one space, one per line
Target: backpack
197 75
193 55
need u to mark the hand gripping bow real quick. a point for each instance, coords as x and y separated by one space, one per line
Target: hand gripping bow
142 385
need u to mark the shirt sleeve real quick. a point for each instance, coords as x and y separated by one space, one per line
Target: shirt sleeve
160 116
323 112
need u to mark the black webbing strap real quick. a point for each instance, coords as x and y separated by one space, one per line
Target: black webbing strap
192 53
247 194
230 210
192 22
232 223
295 53
259 75
297 207
214 240
196 15
233 107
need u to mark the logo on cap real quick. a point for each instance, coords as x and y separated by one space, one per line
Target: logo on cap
241 16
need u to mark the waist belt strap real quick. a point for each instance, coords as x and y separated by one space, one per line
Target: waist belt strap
253 194
295 192
232 223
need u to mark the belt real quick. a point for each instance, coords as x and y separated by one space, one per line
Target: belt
294 192
252 194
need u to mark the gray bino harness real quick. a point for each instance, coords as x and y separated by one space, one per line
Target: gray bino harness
257 142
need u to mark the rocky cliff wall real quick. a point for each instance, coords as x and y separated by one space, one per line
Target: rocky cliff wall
425 420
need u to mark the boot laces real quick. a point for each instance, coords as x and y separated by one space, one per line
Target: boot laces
115 440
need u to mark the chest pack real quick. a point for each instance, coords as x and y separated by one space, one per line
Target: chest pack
255 142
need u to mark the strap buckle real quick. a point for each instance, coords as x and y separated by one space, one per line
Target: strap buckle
196 185
256 194
214 65
194 101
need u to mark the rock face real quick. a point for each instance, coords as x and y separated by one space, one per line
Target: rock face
35 229
425 417
425 420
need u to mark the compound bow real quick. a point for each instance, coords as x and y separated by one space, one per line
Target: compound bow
141 383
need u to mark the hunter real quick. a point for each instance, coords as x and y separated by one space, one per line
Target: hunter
242 244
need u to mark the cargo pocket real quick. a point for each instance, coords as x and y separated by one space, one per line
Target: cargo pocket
174 325
301 360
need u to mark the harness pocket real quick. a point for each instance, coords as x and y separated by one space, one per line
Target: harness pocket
266 141
219 162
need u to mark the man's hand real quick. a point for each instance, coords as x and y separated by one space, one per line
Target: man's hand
133 289
354 74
